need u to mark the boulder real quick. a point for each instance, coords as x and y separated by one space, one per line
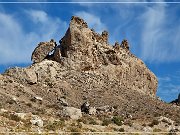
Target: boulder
1 77
85 107
92 111
105 108
23 116
24 75
57 54
38 98
166 120
36 120
31 76
63 102
42 51
72 112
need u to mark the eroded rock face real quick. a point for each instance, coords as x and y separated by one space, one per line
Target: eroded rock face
84 50
42 51
87 50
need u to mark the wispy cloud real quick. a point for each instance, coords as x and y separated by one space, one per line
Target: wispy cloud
17 44
159 42
92 20
164 79
168 88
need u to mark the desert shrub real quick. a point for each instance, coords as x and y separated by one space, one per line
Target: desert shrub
75 131
106 122
29 104
33 99
129 123
156 130
117 120
10 101
115 107
121 130
14 117
83 120
92 121
55 125
156 115
41 111
154 122
55 106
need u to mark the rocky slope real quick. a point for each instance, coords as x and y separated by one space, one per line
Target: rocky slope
84 67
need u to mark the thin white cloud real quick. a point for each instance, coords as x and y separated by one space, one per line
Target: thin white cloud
92 20
17 44
169 87
157 42
38 16
166 79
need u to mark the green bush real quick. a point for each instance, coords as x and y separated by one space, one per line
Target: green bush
55 125
14 117
75 131
156 130
106 122
93 122
121 130
117 120
154 122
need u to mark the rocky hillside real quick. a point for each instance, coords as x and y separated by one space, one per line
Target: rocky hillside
84 77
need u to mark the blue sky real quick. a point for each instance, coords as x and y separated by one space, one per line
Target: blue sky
153 31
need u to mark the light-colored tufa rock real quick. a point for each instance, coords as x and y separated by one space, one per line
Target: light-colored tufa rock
72 112
38 98
42 51
166 120
92 111
36 120
63 102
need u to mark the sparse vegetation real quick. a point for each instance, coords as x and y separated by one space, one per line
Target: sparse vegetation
154 122
106 122
92 121
29 104
75 131
156 130
33 99
121 130
117 120
55 125
10 101
14 117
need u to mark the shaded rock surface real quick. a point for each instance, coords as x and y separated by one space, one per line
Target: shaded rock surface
42 51
176 101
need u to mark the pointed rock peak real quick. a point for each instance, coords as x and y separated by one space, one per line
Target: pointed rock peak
79 21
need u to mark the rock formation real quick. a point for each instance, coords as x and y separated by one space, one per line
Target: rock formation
84 73
42 51
176 101
85 50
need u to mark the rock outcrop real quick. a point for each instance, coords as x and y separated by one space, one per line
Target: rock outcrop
42 51
176 101
84 77
83 49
